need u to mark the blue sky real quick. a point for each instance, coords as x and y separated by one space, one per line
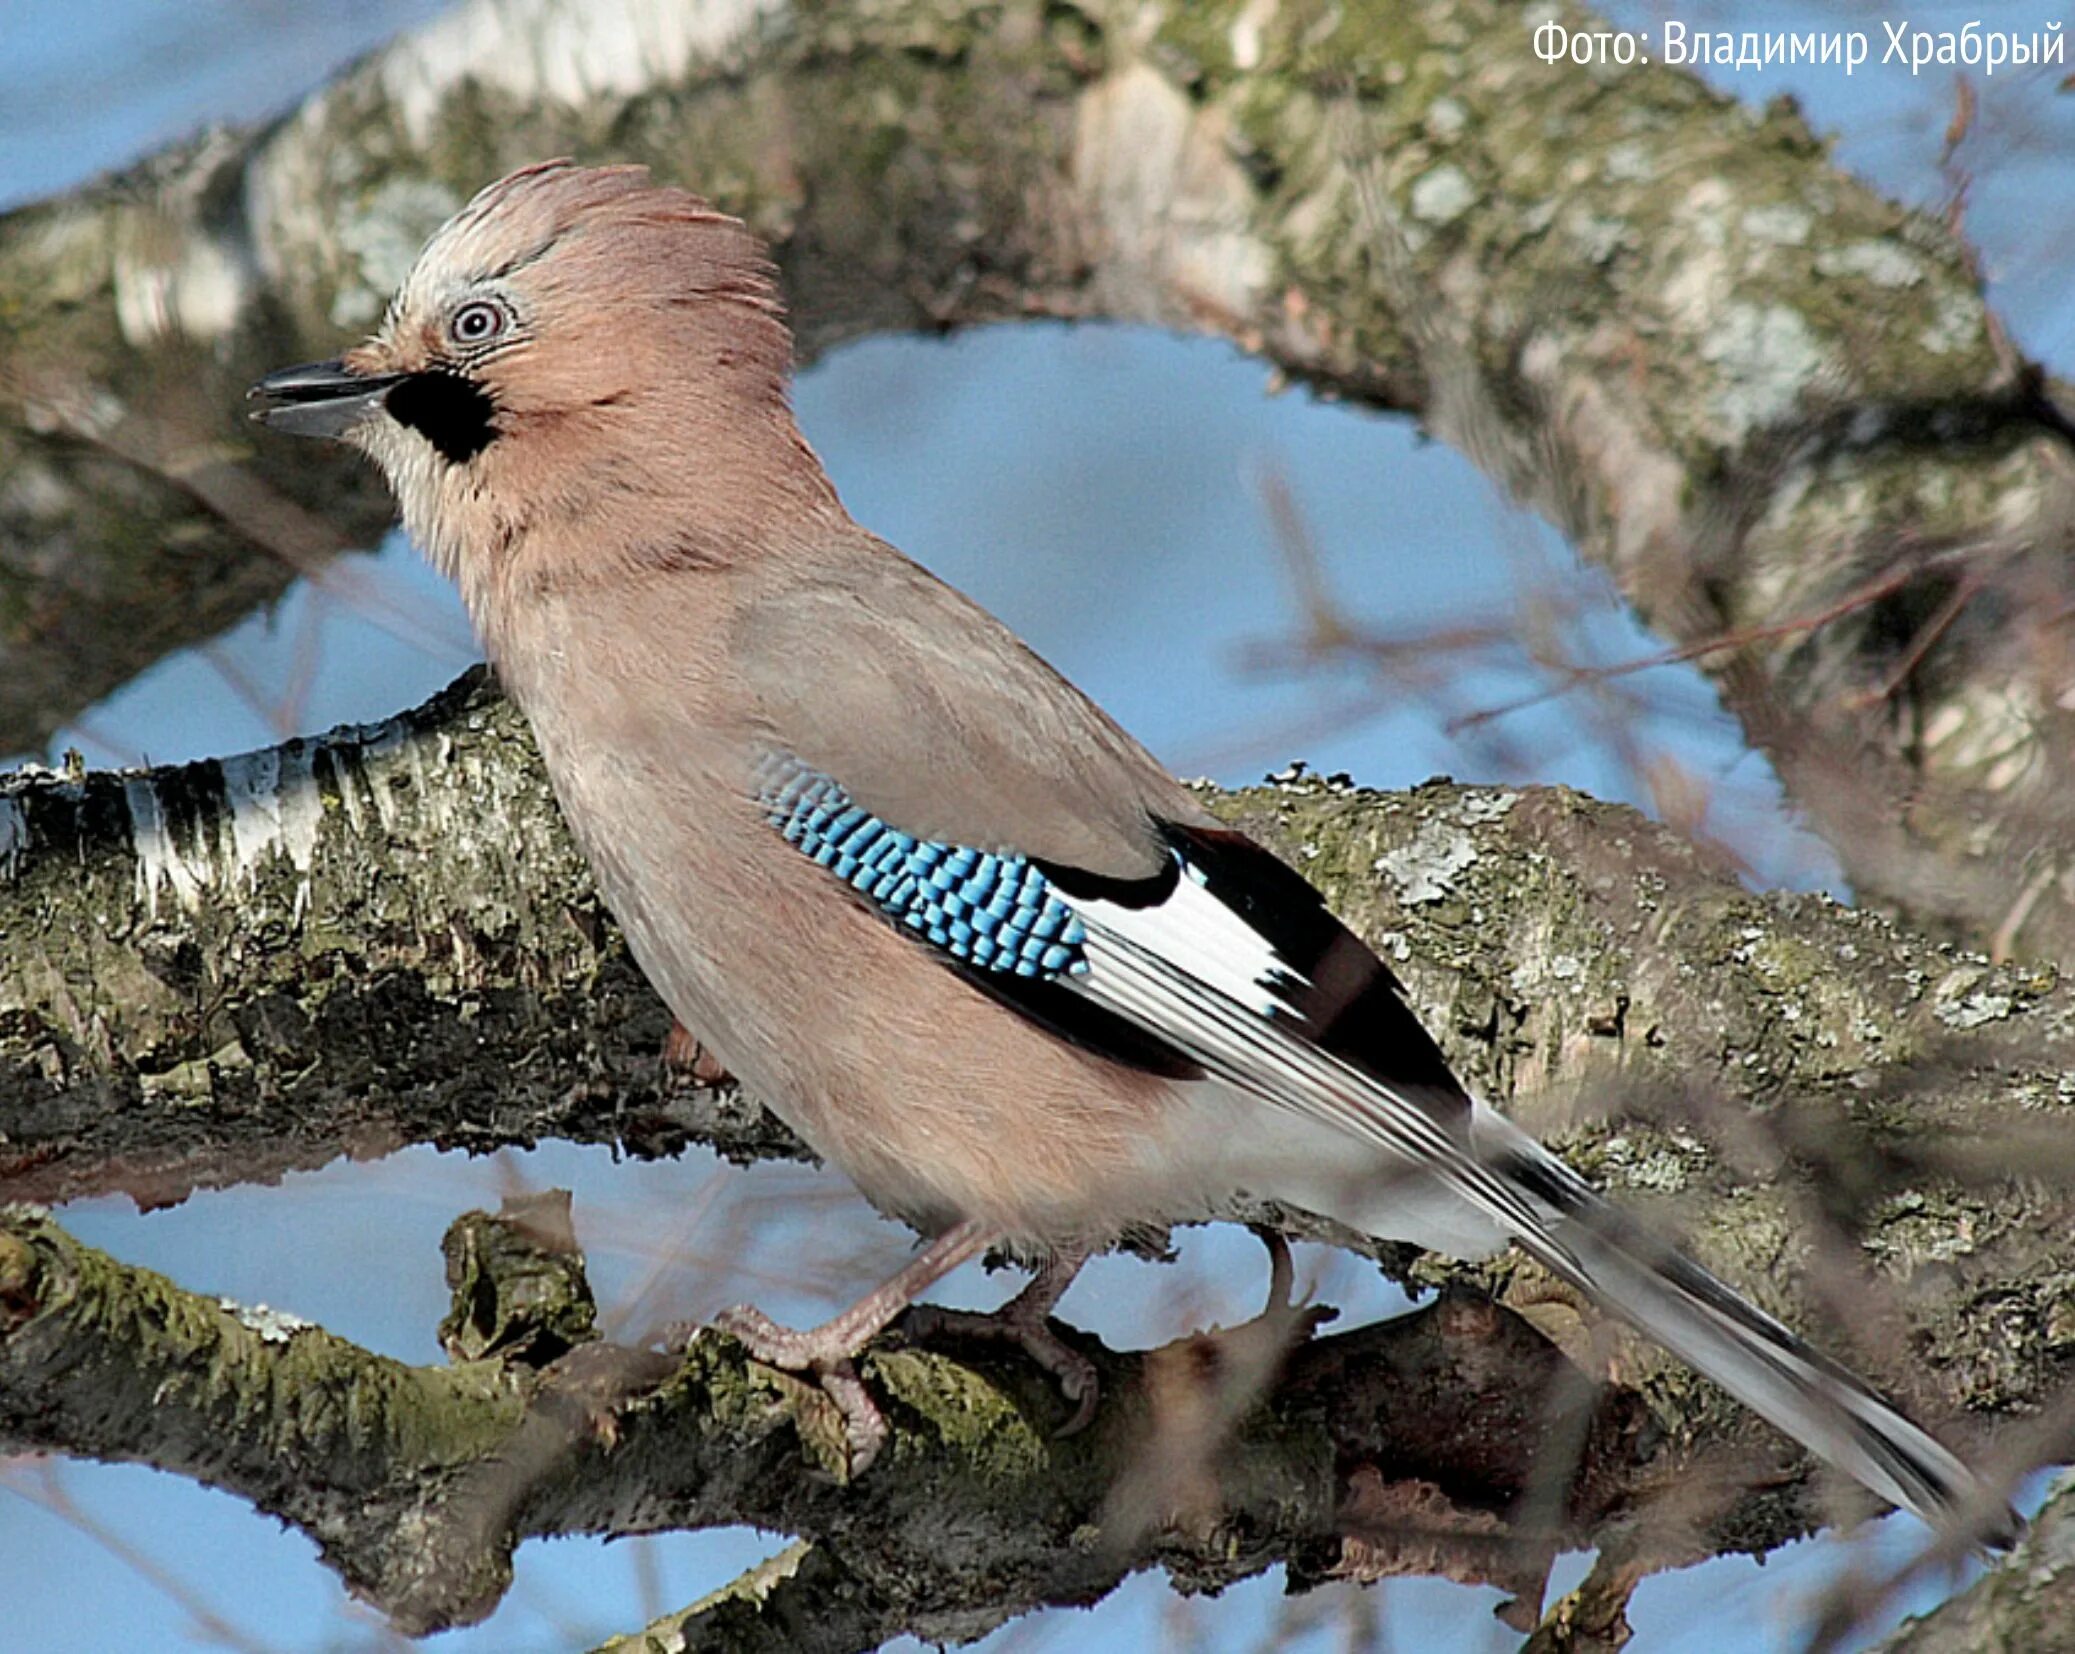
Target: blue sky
1098 487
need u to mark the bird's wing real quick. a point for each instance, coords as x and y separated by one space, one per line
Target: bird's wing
978 802
925 755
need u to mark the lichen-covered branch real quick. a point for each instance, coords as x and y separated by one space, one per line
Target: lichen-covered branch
220 971
101 1360
801 1601
1754 390
1453 1441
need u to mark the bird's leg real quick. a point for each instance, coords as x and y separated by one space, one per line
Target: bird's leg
1282 1268
683 1053
1025 1321
826 1350
1290 1318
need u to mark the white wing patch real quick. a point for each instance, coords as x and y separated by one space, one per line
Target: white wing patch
1197 933
1193 971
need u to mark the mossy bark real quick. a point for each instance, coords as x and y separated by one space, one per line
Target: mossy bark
1411 1446
1752 388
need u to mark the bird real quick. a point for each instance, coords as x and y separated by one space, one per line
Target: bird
959 930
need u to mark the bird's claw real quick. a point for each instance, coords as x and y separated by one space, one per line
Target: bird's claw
770 1343
865 1430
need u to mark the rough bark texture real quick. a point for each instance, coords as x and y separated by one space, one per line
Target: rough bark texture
221 971
1754 390
382 936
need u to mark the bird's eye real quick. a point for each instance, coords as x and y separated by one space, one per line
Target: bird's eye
476 324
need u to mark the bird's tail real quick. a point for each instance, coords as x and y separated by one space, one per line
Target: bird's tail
1779 1376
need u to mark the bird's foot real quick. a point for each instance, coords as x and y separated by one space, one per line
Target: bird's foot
787 1347
1025 1321
826 1350
816 1353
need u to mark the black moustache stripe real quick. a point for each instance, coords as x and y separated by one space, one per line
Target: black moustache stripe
455 413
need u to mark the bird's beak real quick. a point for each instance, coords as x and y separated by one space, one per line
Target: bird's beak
319 398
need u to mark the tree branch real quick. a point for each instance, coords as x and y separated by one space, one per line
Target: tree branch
1412 1446
220 971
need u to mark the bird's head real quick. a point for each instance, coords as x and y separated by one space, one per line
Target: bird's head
582 370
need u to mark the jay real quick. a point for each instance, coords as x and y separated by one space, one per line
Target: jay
961 931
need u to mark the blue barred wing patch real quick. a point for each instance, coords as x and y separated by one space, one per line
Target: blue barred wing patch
997 912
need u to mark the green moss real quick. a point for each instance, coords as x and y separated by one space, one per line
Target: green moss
361 1415
983 1427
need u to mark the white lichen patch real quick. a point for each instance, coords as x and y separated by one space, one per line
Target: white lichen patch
1909 1224
1483 804
1631 162
1446 119
1443 195
1883 263
274 1326
1659 1169
1706 277
1764 355
1956 325
1780 222
381 237
1424 869
1247 28
1596 237
1969 997
1532 976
